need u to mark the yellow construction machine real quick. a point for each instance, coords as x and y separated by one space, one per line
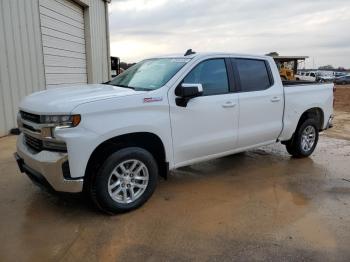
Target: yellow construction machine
287 65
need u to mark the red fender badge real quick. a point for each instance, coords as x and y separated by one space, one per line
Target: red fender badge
152 99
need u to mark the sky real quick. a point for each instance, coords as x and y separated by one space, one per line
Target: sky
319 29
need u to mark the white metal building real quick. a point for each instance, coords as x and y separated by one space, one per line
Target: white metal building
48 43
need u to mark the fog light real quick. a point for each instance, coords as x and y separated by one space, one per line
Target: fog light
55 146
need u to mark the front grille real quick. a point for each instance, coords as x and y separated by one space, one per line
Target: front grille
30 117
33 143
31 128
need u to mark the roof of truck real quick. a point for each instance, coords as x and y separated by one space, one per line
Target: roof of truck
204 54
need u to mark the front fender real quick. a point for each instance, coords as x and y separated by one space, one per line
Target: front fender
108 119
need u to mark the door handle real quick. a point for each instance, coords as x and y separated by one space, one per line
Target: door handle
275 99
229 104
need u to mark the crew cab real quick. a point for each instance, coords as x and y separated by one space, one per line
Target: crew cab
112 141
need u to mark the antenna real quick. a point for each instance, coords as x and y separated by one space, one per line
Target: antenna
189 52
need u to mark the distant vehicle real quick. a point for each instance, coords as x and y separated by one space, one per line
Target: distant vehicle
323 79
339 74
307 76
314 76
113 140
343 80
324 76
115 66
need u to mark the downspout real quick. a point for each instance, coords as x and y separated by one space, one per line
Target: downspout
108 40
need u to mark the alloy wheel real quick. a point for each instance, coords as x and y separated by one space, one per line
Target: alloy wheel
308 138
128 181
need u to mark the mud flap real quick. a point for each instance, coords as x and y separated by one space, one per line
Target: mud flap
164 170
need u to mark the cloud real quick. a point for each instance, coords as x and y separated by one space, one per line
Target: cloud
143 28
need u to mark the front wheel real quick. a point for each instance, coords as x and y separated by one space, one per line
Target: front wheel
126 180
304 141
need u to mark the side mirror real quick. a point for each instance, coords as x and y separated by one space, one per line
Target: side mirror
185 92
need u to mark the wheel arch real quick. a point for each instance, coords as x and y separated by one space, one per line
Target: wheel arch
148 141
312 113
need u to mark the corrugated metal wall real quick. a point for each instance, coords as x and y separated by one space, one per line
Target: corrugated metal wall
21 59
21 52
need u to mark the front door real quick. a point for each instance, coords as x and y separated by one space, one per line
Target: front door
208 125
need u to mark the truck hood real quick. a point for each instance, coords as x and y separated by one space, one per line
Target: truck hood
63 100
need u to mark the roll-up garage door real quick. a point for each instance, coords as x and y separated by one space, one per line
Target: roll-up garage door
63 37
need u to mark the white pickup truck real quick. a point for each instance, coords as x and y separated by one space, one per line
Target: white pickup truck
113 140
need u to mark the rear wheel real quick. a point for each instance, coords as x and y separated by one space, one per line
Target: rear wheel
304 141
125 181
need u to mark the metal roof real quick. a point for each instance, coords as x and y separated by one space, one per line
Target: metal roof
289 58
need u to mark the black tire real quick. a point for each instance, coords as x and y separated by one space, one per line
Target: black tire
99 186
294 146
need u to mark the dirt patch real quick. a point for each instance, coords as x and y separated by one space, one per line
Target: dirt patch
342 98
341 128
341 121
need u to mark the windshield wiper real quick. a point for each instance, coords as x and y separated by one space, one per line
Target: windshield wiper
125 86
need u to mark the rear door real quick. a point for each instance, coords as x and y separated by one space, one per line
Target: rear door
260 102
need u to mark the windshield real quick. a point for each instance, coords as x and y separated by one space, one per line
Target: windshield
149 74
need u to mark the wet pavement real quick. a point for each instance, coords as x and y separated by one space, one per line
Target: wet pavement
255 206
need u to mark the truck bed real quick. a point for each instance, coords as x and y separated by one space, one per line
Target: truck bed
301 96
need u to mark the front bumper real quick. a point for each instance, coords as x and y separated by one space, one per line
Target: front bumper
45 168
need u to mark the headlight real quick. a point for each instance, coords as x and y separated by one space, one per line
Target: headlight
62 120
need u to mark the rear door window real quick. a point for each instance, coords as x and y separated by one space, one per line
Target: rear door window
253 74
